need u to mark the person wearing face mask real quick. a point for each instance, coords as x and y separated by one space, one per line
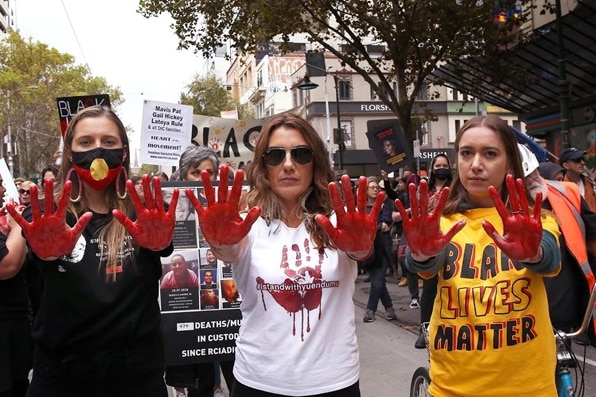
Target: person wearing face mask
97 331
440 177
568 292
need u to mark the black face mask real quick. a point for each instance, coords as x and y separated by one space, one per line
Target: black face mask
442 173
98 167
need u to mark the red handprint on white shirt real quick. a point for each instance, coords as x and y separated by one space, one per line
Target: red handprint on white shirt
301 290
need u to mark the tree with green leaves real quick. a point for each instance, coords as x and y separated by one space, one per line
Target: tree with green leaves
208 96
416 36
34 75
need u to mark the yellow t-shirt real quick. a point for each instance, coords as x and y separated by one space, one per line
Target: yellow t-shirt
490 332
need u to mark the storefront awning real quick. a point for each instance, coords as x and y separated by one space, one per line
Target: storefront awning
539 93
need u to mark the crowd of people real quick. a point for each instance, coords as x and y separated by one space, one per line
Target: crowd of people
81 266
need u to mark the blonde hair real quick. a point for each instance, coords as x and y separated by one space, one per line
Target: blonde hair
113 243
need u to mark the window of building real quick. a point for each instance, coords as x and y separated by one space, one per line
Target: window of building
259 77
516 124
345 89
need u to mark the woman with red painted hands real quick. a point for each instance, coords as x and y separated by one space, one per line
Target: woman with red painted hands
97 331
490 245
292 254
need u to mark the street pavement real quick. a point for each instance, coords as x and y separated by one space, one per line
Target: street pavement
387 354
407 318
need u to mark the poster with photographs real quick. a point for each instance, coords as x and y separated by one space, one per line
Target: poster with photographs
198 296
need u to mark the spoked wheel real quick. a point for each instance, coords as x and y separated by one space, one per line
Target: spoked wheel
420 383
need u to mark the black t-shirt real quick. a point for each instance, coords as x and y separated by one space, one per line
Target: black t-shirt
568 292
85 311
14 300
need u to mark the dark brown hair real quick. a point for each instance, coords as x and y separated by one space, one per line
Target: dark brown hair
315 200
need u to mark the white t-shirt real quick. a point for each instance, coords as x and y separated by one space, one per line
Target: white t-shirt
303 340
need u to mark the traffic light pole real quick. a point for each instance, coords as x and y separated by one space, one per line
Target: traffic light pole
340 131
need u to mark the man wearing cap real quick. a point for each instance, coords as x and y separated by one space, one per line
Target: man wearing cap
574 163
568 292
551 171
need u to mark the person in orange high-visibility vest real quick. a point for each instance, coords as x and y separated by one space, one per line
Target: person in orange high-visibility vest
569 291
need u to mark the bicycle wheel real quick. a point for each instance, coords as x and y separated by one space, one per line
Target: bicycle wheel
420 383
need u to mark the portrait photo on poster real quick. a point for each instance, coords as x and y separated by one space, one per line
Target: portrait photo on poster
388 145
229 292
207 259
179 286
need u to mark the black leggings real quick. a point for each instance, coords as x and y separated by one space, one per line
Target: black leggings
427 300
241 390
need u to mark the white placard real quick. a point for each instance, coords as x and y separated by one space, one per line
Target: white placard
165 133
8 182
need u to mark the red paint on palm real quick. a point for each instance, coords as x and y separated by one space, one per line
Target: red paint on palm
154 227
522 230
422 229
220 221
355 229
48 235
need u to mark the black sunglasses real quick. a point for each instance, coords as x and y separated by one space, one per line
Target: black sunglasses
275 155
23 191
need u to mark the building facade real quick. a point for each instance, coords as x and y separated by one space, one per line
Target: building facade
272 83
6 16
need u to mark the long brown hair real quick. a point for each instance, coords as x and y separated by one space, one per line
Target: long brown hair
458 196
113 243
315 200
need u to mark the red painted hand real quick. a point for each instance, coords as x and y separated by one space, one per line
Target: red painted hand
154 227
48 234
522 231
355 230
422 229
220 221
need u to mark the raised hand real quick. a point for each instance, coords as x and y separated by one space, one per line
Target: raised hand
221 222
522 231
48 234
154 227
355 229
422 229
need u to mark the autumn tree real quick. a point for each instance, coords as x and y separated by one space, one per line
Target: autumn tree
416 36
35 75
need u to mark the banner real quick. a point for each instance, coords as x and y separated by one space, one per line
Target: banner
233 140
